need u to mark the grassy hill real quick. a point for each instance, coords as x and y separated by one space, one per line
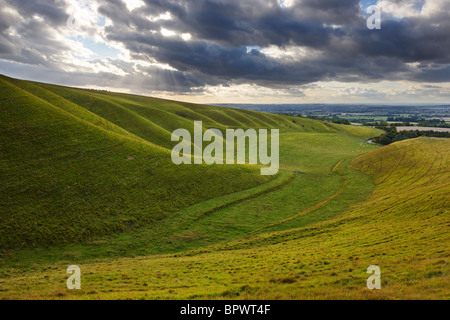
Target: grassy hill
87 179
78 164
68 174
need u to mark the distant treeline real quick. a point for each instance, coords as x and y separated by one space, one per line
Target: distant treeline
414 119
403 121
406 121
392 135
384 125
333 119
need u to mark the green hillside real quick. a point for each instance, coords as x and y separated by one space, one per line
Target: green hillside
69 175
79 164
87 179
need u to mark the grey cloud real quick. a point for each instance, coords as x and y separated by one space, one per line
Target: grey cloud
50 10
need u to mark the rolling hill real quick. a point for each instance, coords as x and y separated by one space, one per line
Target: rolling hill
77 164
87 179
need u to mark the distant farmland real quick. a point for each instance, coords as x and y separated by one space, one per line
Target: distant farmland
436 129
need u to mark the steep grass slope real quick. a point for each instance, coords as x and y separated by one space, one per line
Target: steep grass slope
69 175
402 227
155 119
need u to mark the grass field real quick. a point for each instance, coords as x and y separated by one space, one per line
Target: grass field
87 179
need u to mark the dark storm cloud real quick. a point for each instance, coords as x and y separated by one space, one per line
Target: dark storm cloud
222 29
236 23
440 74
50 10
333 32
328 11
410 40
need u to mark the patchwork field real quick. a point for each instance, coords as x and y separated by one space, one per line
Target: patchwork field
87 179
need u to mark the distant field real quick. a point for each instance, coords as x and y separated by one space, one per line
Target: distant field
436 129
413 123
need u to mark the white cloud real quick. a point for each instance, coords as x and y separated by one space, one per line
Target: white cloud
186 36
286 3
400 9
163 16
289 53
167 33
418 8
133 4
432 7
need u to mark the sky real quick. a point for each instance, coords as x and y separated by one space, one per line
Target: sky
228 51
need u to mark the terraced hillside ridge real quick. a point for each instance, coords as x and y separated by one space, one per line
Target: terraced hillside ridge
69 174
155 119
397 228
79 164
